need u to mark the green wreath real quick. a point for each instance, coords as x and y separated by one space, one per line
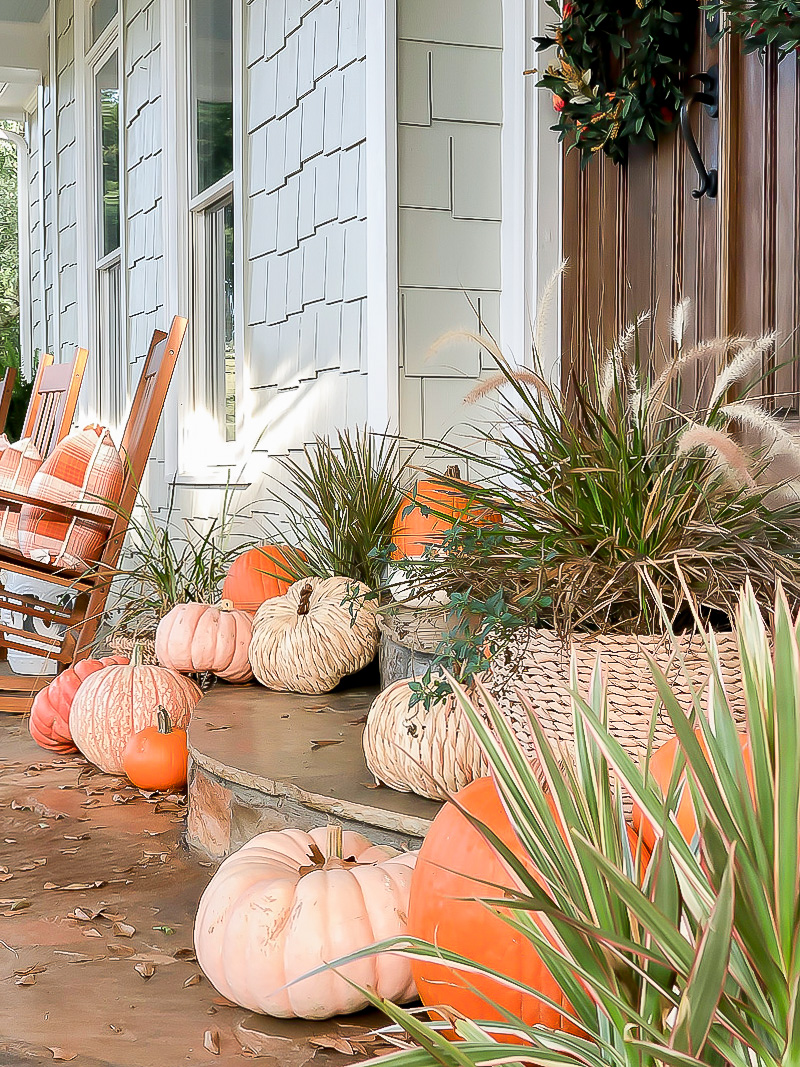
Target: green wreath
619 71
762 23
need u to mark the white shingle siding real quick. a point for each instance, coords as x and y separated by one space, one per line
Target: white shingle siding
450 100
305 239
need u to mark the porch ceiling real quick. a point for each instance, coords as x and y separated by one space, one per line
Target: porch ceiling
23 53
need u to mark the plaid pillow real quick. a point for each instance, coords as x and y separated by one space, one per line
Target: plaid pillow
82 470
18 465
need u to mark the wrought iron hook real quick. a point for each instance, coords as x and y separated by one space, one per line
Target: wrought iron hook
708 96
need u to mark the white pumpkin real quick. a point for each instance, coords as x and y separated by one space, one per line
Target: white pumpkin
321 630
284 905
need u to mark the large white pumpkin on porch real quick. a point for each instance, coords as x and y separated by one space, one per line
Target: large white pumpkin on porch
286 904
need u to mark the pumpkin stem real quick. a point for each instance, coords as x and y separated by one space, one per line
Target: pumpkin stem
305 596
136 655
453 472
333 845
226 605
164 721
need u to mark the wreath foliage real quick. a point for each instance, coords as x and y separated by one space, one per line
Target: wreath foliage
619 70
762 23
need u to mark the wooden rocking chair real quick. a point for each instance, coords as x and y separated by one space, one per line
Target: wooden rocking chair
88 590
54 398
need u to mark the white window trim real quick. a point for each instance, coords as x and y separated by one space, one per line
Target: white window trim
227 454
24 247
89 214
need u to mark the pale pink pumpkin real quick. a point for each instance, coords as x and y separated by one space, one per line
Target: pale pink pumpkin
116 702
278 908
201 637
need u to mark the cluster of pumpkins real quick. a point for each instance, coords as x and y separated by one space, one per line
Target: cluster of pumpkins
290 902
292 636
125 716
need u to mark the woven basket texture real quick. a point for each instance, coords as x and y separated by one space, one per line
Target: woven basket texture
122 644
537 665
317 633
431 752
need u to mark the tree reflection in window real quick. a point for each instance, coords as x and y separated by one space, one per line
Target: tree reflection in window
211 30
108 121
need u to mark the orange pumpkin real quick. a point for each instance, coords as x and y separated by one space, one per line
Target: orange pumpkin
427 513
258 575
116 702
156 757
661 764
454 864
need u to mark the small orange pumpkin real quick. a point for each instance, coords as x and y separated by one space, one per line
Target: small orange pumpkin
427 513
157 757
260 574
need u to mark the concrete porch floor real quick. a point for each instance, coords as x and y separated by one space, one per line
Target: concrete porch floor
68 977
262 760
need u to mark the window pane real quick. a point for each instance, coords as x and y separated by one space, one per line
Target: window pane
219 373
230 350
103 11
108 137
211 32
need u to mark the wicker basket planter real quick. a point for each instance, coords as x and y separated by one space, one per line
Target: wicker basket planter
121 644
537 665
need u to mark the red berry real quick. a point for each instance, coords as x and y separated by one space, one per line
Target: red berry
558 103
568 10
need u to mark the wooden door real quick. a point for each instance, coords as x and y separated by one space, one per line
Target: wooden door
636 238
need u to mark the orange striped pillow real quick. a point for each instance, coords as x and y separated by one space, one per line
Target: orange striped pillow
18 465
82 470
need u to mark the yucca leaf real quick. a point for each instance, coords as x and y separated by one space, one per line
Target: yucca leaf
707 979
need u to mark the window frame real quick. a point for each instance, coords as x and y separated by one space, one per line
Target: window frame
194 455
108 43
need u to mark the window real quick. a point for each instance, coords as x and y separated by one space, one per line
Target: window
108 142
212 205
112 383
103 12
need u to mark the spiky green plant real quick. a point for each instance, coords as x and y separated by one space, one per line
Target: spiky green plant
695 963
342 498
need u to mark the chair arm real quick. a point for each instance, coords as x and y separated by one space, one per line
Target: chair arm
17 500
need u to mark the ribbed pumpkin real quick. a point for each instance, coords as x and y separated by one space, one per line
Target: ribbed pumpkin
287 903
308 640
431 752
118 701
201 637
258 575
49 721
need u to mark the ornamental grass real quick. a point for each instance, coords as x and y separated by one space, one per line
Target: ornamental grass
692 962
612 490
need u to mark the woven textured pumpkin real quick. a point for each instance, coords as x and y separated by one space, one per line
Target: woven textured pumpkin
49 721
118 701
198 637
287 903
308 640
432 752
258 575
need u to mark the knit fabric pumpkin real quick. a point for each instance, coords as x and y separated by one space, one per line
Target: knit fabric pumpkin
428 751
306 641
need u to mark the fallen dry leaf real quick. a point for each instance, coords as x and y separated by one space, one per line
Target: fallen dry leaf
76 837
32 865
324 744
5 877
185 954
120 952
120 929
193 979
211 1042
254 1042
91 932
74 885
339 1044
360 721
145 969
37 968
14 905
62 1053
69 851
25 979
